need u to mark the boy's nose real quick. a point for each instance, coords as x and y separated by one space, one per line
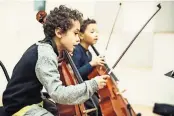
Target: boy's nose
77 40
96 35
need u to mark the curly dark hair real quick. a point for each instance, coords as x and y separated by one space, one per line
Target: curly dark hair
61 17
86 23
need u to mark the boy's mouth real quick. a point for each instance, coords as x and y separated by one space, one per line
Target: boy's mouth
74 46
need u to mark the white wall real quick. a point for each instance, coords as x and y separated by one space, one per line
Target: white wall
129 22
18 30
86 7
142 69
164 21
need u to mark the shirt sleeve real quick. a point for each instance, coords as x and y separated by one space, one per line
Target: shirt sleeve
84 69
47 73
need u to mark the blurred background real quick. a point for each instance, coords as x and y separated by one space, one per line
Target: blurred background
141 71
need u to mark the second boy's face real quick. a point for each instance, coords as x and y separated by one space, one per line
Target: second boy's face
70 39
91 34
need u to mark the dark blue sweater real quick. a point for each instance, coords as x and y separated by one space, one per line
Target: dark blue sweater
81 60
24 88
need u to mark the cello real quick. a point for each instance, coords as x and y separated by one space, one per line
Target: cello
5 71
72 77
112 102
67 69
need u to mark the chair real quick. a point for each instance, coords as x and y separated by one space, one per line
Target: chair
2 110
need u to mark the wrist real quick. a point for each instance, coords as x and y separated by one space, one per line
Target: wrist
91 63
95 82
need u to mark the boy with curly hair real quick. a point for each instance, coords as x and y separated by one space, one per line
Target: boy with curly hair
38 67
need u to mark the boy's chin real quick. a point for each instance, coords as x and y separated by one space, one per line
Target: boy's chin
94 42
71 50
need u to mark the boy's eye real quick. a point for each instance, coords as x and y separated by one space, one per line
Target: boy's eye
76 33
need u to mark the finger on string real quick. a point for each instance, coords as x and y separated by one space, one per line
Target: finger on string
101 65
103 81
105 76
103 84
103 62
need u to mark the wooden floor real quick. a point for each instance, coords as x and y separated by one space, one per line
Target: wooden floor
144 110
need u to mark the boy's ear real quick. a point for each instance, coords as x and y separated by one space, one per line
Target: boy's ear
58 32
81 35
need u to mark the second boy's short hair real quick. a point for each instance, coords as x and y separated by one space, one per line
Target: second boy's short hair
86 23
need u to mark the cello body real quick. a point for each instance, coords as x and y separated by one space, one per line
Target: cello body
110 100
68 78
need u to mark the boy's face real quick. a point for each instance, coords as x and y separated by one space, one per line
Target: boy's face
71 38
90 34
